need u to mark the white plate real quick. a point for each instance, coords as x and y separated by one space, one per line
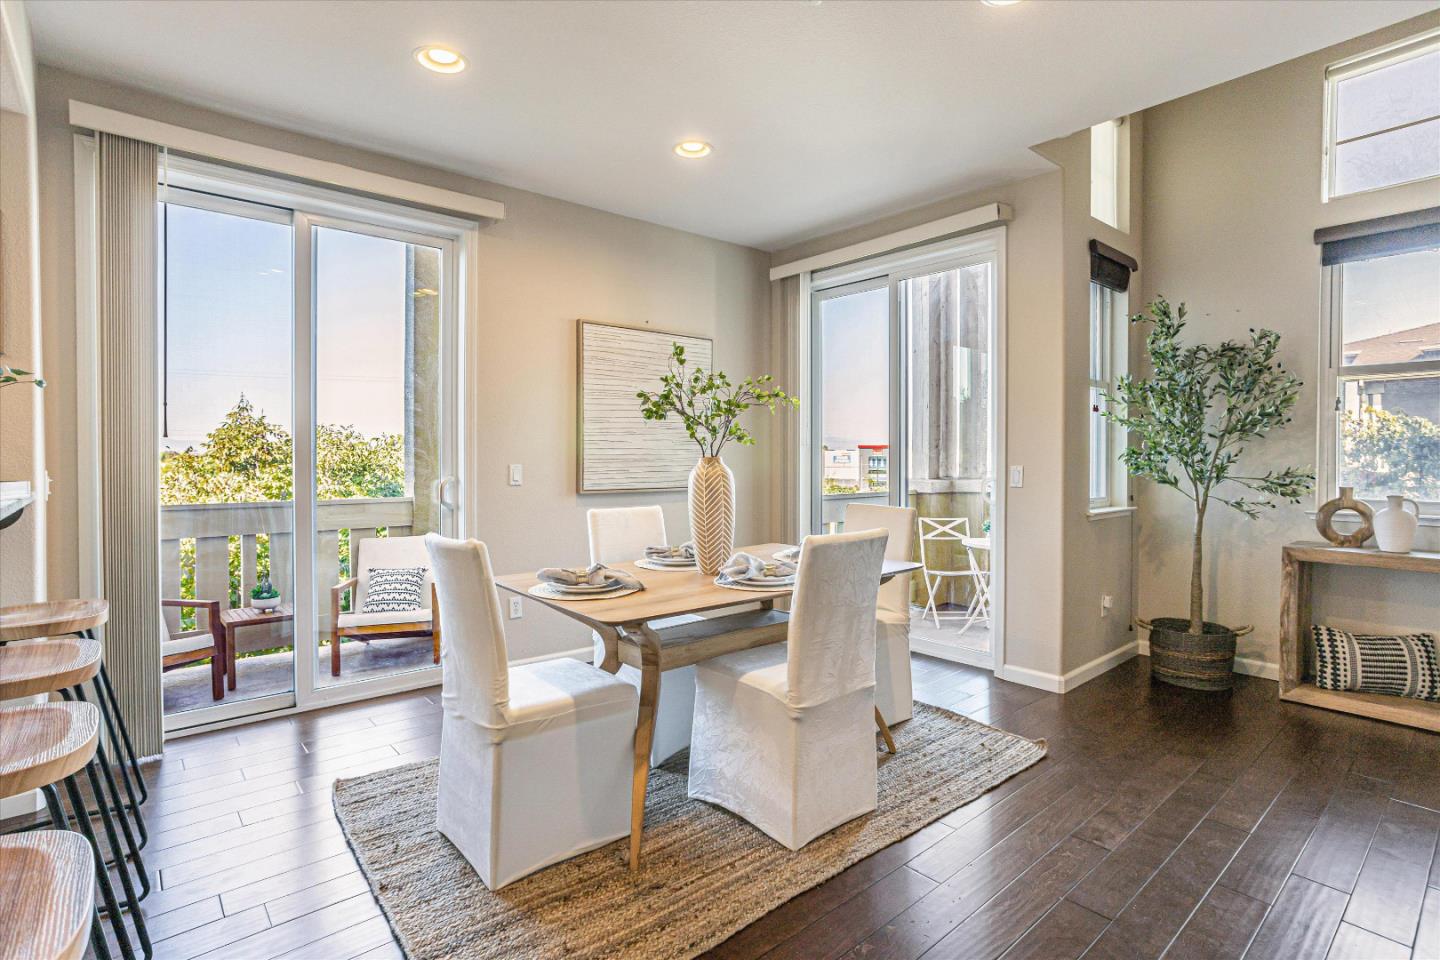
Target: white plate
777 584
673 561
547 591
648 564
582 588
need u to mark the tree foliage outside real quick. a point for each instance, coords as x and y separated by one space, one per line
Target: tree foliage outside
248 459
1192 418
1388 453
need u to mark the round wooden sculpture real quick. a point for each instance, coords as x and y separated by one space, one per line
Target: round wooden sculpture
1346 501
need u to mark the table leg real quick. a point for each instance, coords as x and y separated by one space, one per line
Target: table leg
611 639
230 656
644 735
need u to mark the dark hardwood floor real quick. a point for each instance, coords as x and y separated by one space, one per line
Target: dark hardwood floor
1163 823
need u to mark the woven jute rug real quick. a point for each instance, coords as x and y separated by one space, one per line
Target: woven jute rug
706 872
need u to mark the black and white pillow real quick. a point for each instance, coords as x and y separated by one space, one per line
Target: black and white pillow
393 590
1405 666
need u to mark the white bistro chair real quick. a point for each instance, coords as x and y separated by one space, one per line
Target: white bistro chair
951 530
893 692
619 535
535 760
784 734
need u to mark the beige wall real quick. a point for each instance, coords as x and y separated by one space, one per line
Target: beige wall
547 264
1034 372
1232 188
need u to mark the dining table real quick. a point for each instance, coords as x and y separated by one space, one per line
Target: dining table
633 633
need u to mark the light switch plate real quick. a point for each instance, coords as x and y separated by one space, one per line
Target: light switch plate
1017 476
516 474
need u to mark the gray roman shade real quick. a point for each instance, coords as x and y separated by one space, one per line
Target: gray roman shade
1381 237
1111 268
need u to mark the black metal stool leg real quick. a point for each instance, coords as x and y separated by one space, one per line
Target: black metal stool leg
97 938
108 712
131 900
103 760
107 892
103 681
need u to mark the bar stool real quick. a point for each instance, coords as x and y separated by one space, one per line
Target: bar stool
55 618
45 744
47 896
61 665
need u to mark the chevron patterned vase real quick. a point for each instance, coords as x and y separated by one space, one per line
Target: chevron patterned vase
712 513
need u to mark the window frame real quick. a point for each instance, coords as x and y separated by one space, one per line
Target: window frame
1110 350
1330 391
1368 62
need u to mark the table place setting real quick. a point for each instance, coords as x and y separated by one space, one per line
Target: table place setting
595 582
746 571
664 558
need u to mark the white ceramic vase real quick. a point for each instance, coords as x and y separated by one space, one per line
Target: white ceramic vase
1395 526
712 514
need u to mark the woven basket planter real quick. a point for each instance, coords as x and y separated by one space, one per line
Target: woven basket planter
1179 657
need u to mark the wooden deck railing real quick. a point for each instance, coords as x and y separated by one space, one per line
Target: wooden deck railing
212 525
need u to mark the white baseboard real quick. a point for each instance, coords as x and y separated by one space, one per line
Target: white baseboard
1058 683
1246 665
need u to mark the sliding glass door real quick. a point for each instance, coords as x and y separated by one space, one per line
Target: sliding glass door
904 370
310 440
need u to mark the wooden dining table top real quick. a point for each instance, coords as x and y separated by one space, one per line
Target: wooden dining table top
668 593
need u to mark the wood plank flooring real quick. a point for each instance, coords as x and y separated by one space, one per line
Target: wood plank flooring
1163 823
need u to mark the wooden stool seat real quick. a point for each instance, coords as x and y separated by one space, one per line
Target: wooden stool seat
27 669
51 618
47 895
44 743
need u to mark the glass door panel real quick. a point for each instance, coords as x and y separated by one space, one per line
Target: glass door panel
378 450
226 456
948 318
853 383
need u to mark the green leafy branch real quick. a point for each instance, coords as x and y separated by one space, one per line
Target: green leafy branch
9 375
709 403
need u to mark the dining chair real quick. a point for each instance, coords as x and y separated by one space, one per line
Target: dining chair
535 760
894 694
951 530
784 735
620 535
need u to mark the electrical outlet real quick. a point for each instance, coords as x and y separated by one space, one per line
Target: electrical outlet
1106 602
1017 476
516 475
517 609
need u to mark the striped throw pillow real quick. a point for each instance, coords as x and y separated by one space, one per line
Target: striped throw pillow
1404 666
393 590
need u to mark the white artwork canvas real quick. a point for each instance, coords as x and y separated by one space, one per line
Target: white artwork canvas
619 450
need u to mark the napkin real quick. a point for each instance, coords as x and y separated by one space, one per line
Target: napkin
596 574
747 566
685 551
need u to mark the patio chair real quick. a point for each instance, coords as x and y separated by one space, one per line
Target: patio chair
189 646
950 530
371 554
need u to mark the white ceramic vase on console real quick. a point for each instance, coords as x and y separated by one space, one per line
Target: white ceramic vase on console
1395 525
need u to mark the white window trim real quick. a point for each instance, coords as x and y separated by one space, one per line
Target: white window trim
1115 361
1389 55
1332 372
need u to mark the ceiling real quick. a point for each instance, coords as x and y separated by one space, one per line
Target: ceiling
823 113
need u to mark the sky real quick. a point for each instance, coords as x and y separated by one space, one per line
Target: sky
855 339
228 289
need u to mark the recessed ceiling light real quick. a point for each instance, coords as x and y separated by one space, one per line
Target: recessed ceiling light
692 149
439 59
999 3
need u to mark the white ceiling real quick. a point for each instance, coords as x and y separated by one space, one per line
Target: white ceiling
823 114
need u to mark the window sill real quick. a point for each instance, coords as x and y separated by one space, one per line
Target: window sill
1344 521
1108 513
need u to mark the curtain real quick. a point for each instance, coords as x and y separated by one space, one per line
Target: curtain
790 348
125 258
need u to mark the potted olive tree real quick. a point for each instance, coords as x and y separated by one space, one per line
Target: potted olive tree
1191 420
710 405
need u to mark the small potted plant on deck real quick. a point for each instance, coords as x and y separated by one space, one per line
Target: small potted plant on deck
1191 420
264 596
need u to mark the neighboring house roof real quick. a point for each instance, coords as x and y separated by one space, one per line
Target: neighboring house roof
1417 343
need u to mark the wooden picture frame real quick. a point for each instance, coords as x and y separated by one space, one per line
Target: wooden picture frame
618 450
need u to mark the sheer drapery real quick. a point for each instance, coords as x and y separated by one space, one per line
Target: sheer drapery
790 346
125 264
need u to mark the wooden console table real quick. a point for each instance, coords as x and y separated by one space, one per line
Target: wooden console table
1297 560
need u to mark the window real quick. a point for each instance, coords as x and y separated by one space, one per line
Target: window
1380 400
1105 172
1108 358
1383 117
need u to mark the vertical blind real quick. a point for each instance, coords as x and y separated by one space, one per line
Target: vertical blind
129 467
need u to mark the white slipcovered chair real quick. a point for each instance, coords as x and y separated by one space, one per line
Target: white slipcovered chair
784 735
619 535
535 760
369 554
893 692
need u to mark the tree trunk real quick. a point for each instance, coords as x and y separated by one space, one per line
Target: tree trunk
1197 589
